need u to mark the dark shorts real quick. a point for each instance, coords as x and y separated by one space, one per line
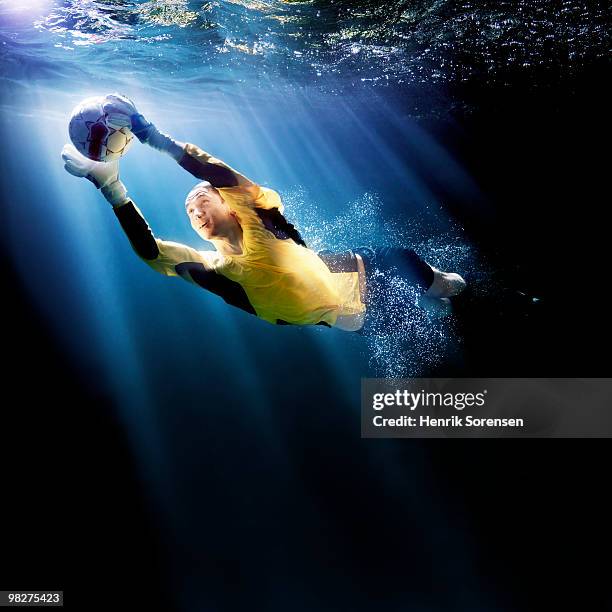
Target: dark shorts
395 277
405 263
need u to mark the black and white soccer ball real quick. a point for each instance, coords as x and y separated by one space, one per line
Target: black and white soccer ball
95 134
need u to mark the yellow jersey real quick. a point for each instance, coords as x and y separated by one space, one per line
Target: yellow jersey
284 280
274 277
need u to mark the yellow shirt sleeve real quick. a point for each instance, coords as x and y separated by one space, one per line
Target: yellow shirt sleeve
173 253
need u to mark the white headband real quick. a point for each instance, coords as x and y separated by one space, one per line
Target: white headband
198 190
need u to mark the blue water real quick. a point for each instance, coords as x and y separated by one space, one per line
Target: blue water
233 78
329 104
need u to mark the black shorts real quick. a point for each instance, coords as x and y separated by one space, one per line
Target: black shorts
405 263
394 278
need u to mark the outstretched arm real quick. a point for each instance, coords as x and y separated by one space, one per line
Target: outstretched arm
169 258
196 161
163 256
209 168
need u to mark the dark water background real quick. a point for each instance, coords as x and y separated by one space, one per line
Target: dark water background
193 456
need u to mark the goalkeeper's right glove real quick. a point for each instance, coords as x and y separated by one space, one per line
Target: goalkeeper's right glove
121 111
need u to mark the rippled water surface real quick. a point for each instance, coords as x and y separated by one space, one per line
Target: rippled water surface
332 46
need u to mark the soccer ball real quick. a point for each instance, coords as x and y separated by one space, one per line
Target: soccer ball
95 135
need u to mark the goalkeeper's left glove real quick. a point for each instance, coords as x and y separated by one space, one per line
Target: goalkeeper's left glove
104 175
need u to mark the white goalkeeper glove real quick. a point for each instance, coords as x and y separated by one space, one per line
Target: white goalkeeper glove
104 175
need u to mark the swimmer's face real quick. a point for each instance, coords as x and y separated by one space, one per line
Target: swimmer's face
209 215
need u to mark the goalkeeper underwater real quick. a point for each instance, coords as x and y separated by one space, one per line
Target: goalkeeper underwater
261 263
